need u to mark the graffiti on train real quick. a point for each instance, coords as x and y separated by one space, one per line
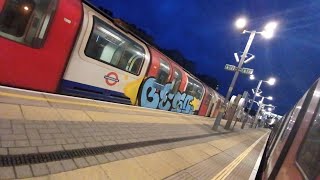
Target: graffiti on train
154 95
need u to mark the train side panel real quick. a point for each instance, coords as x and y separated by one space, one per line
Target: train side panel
206 101
36 40
168 87
275 154
295 154
303 157
106 63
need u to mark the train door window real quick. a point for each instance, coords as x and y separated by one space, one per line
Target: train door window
109 46
194 88
164 72
26 21
198 90
190 87
177 78
308 157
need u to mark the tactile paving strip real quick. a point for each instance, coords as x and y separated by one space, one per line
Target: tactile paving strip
21 159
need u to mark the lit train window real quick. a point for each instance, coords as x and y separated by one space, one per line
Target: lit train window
26 21
177 78
164 72
194 88
309 155
111 47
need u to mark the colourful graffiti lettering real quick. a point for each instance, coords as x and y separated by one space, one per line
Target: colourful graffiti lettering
158 96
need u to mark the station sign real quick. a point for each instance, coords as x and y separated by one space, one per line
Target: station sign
230 67
246 71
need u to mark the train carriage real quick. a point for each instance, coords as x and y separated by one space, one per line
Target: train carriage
106 63
36 38
71 47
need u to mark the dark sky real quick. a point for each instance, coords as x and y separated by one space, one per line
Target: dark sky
203 30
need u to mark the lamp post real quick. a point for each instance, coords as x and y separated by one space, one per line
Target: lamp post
261 106
271 82
267 33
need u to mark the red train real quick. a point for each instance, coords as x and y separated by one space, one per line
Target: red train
70 47
293 149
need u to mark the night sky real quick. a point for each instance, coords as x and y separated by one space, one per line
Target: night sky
203 30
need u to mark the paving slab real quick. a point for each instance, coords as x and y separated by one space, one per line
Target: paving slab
40 113
10 111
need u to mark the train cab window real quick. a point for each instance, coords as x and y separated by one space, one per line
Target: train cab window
109 46
309 155
26 21
164 72
177 78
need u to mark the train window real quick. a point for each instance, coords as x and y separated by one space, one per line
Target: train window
164 72
198 90
177 78
109 46
309 155
26 21
194 88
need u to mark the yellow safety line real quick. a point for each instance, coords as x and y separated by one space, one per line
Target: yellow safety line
60 101
46 99
224 173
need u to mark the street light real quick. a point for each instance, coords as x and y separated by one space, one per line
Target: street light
269 29
261 106
252 77
270 97
271 81
240 23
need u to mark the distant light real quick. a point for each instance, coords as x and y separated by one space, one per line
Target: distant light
271 81
269 109
241 23
271 26
26 8
270 97
269 30
252 77
268 34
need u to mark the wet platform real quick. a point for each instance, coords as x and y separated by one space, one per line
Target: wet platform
48 136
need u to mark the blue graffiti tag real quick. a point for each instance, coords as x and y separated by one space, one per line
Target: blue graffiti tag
157 96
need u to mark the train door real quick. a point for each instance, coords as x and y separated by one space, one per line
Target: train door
156 90
107 63
195 92
36 38
211 105
206 104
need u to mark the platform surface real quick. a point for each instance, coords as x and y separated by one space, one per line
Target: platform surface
48 136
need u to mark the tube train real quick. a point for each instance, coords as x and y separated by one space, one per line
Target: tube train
71 47
293 147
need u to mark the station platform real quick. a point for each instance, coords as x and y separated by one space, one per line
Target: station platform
49 136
